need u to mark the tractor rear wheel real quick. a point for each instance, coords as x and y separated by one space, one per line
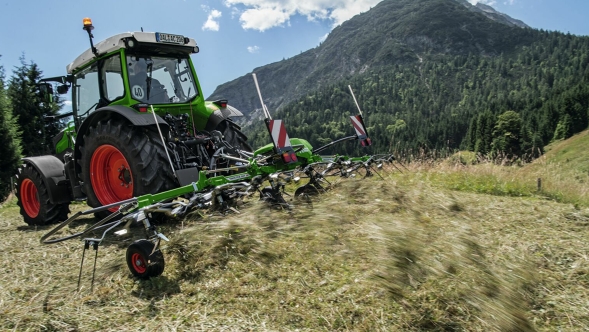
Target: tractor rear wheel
233 135
142 261
120 161
33 199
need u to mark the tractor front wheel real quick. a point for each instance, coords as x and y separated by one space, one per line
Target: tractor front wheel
120 161
143 262
33 199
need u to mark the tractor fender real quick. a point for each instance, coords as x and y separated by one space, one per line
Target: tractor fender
219 114
230 111
214 120
135 118
52 172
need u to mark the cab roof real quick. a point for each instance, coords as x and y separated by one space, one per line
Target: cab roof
117 42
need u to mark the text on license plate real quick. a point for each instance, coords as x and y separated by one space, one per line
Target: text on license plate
169 38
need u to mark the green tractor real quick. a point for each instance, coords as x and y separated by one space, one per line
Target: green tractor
140 126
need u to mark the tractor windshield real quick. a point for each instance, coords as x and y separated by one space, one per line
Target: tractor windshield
160 80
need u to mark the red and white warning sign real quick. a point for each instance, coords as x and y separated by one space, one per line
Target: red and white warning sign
359 126
360 129
279 135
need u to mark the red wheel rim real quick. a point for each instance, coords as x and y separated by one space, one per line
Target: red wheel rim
110 176
30 198
138 263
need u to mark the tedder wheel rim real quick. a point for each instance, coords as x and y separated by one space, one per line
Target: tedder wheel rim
30 198
110 174
139 263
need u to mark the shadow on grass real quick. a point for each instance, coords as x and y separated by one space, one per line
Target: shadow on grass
84 220
156 288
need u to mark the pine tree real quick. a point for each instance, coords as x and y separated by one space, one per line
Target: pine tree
10 149
563 128
506 134
31 110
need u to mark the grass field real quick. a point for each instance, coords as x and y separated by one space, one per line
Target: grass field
439 247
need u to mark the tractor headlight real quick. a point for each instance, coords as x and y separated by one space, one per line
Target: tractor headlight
131 43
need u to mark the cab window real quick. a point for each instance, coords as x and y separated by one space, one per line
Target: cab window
160 79
112 77
87 92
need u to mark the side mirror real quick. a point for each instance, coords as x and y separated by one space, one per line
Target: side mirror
62 89
46 91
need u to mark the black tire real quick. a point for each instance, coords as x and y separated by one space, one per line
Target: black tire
145 168
33 199
306 191
233 135
269 195
142 262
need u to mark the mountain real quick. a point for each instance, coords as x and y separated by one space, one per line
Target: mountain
393 32
491 13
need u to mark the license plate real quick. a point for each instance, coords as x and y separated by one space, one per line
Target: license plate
169 38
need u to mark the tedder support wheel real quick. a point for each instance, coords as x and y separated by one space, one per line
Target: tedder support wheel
142 262
119 161
33 199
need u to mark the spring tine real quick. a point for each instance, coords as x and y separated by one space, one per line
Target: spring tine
376 172
402 165
86 246
95 246
397 168
324 179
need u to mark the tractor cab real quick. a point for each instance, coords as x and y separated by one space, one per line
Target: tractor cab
132 68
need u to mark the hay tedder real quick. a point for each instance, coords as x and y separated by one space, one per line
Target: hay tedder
151 147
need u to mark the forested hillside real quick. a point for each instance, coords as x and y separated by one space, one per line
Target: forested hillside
458 101
453 79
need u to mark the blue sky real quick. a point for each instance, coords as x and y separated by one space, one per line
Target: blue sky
234 36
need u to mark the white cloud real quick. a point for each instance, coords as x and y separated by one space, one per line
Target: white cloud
212 23
262 15
322 39
67 103
263 18
253 49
